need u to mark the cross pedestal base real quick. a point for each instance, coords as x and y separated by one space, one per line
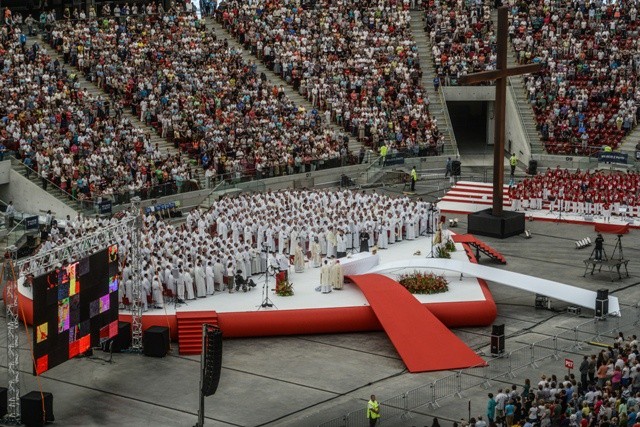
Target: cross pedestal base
483 223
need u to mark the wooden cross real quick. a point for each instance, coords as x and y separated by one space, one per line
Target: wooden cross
500 75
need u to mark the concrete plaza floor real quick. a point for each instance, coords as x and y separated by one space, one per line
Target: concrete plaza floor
307 380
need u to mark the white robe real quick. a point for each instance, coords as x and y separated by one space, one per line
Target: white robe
337 276
188 284
341 243
293 242
128 290
146 290
282 241
179 284
331 244
410 229
325 279
218 274
201 287
209 279
315 254
158 299
248 237
298 260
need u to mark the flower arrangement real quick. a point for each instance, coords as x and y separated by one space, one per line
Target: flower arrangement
284 288
442 252
450 246
424 283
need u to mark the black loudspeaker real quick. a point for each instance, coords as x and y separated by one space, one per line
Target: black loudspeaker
497 329
156 341
497 339
455 168
212 361
602 294
120 342
497 344
533 167
3 402
602 307
31 409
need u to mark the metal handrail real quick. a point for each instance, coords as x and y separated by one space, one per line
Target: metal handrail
445 111
49 182
540 145
118 198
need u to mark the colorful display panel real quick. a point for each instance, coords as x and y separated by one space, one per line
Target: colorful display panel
75 308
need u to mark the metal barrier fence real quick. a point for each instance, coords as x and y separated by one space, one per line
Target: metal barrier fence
507 365
519 359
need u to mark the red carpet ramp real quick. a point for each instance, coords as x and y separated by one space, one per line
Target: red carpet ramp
423 342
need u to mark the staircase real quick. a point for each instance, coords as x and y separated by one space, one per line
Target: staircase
519 91
479 246
629 144
275 79
56 192
438 105
164 145
190 329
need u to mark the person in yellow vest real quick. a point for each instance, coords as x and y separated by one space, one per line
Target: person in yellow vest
414 178
373 410
383 154
513 161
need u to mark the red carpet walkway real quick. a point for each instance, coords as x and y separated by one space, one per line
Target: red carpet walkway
423 342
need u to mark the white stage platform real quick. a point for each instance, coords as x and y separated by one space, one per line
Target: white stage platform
556 290
397 260
306 297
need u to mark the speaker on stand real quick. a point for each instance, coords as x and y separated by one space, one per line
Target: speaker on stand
602 302
497 340
210 365
212 361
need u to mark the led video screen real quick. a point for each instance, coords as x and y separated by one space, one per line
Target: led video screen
75 308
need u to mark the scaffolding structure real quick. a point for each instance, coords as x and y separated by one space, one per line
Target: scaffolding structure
136 273
128 227
10 281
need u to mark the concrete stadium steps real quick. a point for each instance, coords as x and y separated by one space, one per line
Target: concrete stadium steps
438 104
275 79
17 166
190 329
528 118
94 90
629 143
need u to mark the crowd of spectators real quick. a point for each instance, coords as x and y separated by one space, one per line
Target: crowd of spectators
604 392
196 90
580 192
68 137
462 38
354 60
586 96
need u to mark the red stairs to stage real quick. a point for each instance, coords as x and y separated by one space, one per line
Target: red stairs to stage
190 329
479 246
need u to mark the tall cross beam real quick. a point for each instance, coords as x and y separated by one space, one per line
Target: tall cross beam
500 75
